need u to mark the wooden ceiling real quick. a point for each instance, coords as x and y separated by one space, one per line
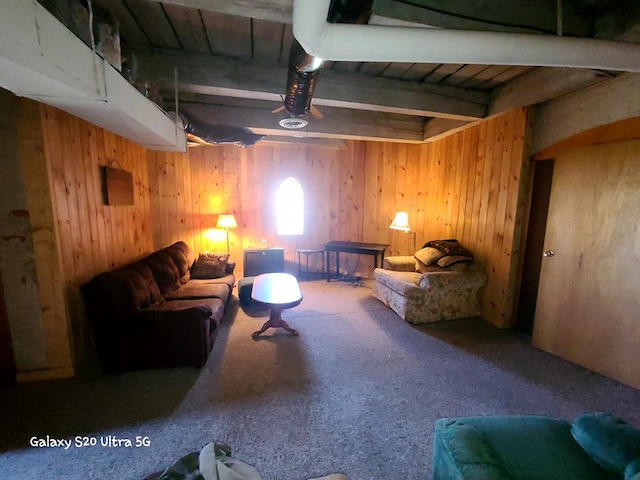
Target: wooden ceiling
230 60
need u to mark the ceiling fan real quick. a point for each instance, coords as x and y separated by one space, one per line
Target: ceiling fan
315 111
292 121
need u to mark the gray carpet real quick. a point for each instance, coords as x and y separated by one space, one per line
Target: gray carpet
357 392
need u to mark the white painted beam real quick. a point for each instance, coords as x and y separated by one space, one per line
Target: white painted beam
274 10
42 60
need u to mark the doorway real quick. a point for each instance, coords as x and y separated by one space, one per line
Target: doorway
7 363
532 260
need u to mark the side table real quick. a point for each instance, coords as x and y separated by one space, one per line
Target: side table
306 253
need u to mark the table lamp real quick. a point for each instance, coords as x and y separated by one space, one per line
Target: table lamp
227 222
401 222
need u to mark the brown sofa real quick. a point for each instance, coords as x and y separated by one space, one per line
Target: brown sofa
152 314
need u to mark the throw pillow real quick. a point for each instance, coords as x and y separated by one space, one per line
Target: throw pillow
210 265
422 268
428 255
449 260
449 247
610 441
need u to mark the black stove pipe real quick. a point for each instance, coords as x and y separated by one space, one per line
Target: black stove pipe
304 69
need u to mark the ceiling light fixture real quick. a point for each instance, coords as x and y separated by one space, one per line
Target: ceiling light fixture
293 123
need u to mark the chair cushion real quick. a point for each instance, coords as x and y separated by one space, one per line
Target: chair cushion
609 440
535 448
632 472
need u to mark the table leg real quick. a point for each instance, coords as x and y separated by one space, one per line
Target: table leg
275 321
338 265
328 265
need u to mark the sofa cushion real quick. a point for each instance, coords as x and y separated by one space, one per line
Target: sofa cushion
403 283
138 294
154 291
609 440
195 290
183 258
229 280
164 271
215 304
210 265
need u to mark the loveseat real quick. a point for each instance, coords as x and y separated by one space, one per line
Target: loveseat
440 282
596 446
163 310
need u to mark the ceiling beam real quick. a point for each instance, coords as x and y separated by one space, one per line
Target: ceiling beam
541 85
273 10
620 23
519 16
437 128
216 75
610 102
337 122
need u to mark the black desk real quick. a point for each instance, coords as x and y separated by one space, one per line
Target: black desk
375 249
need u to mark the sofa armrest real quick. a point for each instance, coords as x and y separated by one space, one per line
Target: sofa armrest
461 451
447 280
400 263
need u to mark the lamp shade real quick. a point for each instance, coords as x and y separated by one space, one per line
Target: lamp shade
227 222
401 222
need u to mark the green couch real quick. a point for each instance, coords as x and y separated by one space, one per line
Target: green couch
597 446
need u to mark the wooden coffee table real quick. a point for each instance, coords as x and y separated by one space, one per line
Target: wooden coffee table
278 291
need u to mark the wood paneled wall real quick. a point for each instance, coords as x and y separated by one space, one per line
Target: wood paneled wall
470 186
81 237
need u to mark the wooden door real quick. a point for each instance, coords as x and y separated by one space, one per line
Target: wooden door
588 308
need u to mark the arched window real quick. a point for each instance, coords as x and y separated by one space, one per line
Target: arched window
290 207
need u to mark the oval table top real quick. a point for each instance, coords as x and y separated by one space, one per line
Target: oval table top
277 290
